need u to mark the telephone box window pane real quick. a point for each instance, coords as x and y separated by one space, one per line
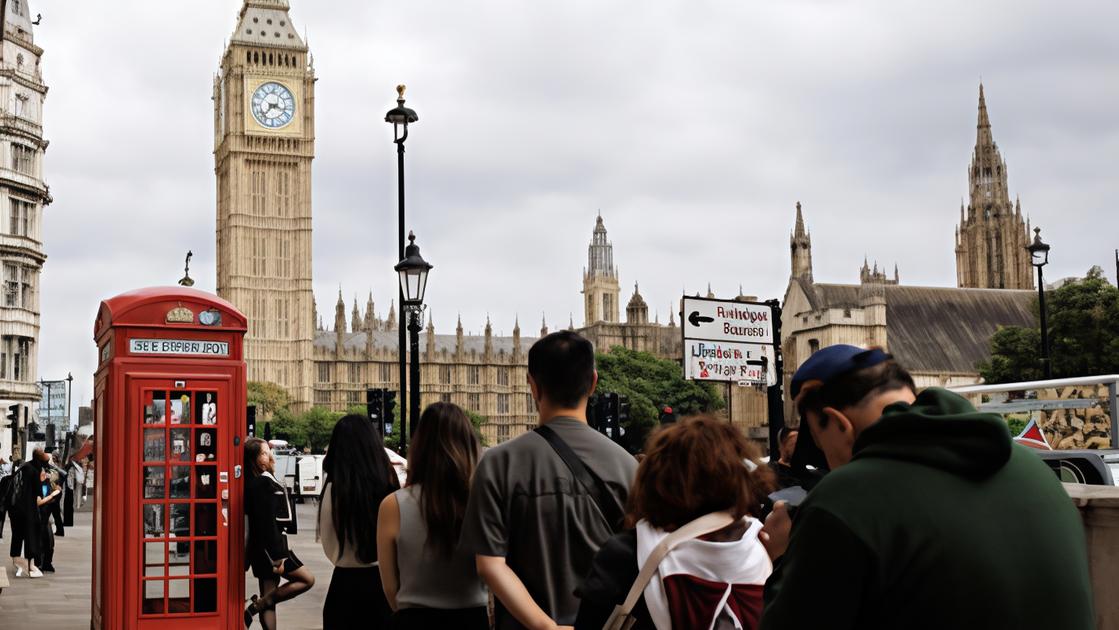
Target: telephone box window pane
154 445
205 557
178 557
207 404
154 560
205 519
180 520
179 570
180 483
153 597
180 408
153 482
153 521
205 482
180 445
205 445
206 595
178 596
156 409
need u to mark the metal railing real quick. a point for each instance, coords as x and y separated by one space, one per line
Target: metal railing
1110 380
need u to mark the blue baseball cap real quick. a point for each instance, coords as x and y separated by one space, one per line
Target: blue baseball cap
832 361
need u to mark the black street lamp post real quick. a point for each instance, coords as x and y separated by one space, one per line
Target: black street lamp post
1039 257
413 270
400 117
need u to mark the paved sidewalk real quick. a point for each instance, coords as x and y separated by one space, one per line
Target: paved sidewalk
61 601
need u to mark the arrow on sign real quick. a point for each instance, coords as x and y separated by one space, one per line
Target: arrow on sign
696 319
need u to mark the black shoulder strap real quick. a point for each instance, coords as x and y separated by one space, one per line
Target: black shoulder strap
594 485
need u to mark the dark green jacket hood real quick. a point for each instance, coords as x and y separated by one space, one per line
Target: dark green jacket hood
942 430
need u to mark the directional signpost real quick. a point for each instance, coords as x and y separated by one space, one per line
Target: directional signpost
735 342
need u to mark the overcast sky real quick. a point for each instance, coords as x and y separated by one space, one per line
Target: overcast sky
695 127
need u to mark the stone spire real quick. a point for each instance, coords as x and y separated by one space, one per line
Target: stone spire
316 320
543 326
991 242
459 347
600 279
637 311
266 23
517 338
339 319
391 323
488 349
370 315
355 318
800 245
429 351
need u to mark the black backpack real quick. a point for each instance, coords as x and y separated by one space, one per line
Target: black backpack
12 498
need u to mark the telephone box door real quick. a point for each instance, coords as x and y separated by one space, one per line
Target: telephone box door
181 485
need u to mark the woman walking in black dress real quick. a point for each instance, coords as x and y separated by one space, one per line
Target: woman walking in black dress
358 476
267 553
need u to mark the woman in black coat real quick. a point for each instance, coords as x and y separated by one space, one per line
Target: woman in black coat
266 552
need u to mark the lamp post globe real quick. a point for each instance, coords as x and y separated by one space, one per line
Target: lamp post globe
1039 257
400 117
413 270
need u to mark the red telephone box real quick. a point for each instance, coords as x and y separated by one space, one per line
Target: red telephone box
169 414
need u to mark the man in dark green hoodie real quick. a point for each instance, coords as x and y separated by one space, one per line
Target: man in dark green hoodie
930 517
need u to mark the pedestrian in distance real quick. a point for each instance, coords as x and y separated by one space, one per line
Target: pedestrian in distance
782 466
693 472
930 516
358 476
543 503
428 581
46 502
22 501
266 551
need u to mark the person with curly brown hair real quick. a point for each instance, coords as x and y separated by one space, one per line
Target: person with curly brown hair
691 469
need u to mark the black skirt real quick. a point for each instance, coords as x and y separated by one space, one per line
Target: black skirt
355 600
262 566
424 618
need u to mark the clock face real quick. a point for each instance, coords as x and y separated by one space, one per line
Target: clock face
273 105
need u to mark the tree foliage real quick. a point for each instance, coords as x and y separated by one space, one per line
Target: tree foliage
268 399
311 429
650 384
1083 335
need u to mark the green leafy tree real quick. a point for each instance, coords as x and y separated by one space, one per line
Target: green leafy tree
1083 336
310 429
650 383
268 398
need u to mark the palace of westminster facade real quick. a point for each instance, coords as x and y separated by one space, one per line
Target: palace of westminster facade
264 123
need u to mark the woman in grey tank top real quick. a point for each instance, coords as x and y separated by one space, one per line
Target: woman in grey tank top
427 581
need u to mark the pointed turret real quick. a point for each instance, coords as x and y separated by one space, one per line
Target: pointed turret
517 339
429 351
800 246
637 311
984 120
543 326
370 314
459 347
339 321
488 348
355 318
391 323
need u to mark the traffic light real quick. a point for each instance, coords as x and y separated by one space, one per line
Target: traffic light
608 419
592 412
389 398
13 415
50 433
374 405
623 415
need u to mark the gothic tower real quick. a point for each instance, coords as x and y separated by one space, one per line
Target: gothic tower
800 244
264 142
23 196
992 237
600 279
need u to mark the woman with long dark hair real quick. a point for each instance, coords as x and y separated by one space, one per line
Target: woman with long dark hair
358 476
267 553
426 580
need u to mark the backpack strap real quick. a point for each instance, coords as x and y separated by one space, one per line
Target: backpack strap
699 527
591 482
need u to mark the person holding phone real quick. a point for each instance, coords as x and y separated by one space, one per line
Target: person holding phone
46 502
267 552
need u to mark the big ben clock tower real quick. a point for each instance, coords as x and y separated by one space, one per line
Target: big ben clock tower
264 142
